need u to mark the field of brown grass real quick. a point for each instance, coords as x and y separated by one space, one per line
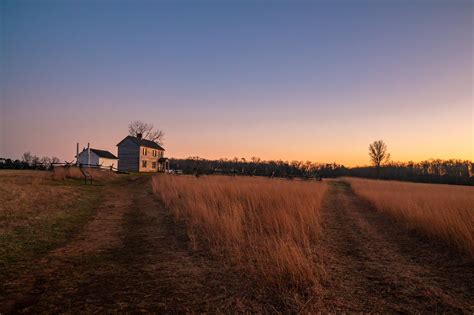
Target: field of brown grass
267 228
220 244
37 213
73 172
30 196
443 212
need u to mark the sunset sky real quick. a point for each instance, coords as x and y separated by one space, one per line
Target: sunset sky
283 80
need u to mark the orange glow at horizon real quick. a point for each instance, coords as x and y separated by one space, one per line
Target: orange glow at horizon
301 82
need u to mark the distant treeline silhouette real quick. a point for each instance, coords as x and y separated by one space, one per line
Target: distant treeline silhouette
29 161
258 167
431 171
460 172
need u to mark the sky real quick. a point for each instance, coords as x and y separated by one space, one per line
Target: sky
289 80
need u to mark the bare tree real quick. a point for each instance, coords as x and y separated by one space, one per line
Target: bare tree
46 161
379 155
255 159
148 131
35 160
27 157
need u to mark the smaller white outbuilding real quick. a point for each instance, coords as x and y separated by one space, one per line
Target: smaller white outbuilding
103 158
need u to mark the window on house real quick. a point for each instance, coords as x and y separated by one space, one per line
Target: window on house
145 151
153 164
143 163
154 153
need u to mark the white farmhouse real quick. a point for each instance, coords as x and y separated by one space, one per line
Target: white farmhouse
103 158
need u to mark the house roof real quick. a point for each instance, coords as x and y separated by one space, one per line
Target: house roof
142 142
101 153
104 154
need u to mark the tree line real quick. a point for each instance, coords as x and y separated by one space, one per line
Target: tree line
452 171
256 166
29 161
430 171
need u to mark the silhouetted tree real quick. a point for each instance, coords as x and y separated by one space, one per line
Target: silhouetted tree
378 154
45 162
27 158
148 131
35 160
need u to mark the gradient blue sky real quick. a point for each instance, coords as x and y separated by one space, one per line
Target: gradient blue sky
279 80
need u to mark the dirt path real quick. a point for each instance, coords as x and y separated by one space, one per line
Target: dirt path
374 264
131 258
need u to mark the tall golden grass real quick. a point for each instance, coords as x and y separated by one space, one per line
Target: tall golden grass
267 227
440 211
73 172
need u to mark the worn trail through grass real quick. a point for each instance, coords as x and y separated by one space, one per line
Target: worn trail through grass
375 264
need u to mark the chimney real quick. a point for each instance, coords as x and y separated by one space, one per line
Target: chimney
139 135
77 153
88 154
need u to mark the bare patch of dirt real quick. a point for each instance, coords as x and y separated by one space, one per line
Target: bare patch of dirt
375 265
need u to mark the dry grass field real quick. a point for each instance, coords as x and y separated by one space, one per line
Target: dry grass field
442 212
75 173
28 197
219 244
268 228
39 212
